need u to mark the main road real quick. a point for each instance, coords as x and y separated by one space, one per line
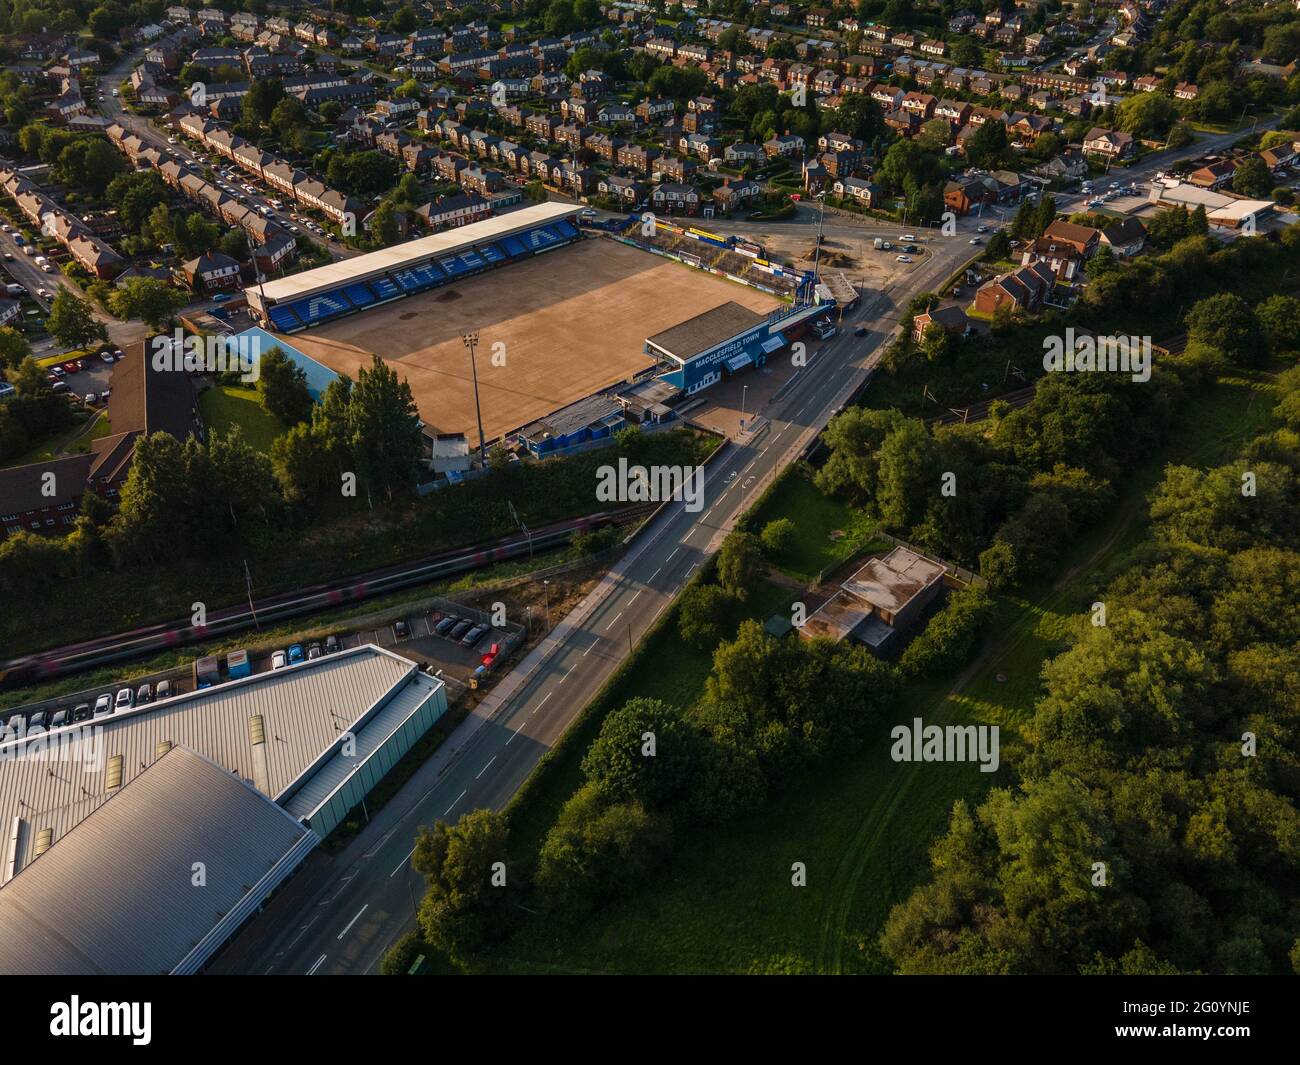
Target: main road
341 915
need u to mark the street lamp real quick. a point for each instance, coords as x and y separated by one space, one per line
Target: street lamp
744 392
469 340
546 590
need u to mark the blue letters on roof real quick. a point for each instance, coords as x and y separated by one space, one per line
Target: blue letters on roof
384 288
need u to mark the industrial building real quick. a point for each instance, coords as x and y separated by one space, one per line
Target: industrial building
885 597
97 810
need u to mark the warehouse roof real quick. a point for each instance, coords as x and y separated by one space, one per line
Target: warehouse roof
270 729
155 881
372 264
697 335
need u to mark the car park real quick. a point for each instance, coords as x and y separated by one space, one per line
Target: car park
295 653
400 629
473 636
313 652
144 694
279 660
459 629
162 690
331 644
103 705
125 699
81 712
61 717
446 625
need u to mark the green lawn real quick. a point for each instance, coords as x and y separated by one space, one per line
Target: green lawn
76 439
862 825
830 530
226 406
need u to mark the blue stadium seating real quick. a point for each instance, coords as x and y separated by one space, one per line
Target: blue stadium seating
539 239
320 308
383 287
564 229
492 253
284 319
454 265
358 295
514 247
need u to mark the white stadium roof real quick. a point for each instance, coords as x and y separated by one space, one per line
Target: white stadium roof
409 253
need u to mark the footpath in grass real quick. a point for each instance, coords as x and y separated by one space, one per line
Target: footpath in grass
225 406
864 824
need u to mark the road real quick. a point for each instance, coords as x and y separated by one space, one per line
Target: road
347 914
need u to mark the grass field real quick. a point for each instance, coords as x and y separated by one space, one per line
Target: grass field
77 439
225 406
862 825
830 530
569 323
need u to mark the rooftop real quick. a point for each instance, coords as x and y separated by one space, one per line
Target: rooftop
707 330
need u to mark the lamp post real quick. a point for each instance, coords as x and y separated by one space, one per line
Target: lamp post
546 590
469 340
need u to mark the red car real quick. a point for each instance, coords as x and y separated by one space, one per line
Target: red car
71 367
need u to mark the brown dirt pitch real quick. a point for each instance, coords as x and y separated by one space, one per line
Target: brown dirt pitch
573 321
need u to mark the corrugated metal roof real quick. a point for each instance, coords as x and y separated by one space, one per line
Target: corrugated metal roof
324 781
119 894
360 267
304 709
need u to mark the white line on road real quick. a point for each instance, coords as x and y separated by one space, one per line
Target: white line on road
654 575
354 920
516 732
402 865
319 962
611 623
543 702
670 557
634 595
486 767
453 805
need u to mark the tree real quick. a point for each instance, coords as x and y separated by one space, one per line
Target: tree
463 910
1226 323
989 148
13 348
383 224
1279 317
261 99
740 563
72 321
154 302
778 536
90 163
1252 177
385 429
301 461
700 613
135 195
1147 114
282 385
646 752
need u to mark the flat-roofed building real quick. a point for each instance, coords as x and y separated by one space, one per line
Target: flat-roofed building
886 595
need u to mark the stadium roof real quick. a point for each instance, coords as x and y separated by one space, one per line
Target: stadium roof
1219 209
372 264
274 730
697 335
119 895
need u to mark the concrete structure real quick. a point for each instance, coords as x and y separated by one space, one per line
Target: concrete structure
885 596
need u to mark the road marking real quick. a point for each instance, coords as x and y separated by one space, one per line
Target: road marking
691 570
590 646
453 805
402 864
486 767
611 623
543 702
670 557
654 575
513 735
319 962
633 599
353 921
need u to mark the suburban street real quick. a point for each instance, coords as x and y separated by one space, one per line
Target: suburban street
344 918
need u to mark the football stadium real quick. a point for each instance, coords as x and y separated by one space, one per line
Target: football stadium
556 317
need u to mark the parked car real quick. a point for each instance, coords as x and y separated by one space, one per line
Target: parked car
81 712
331 644
58 371
279 660
861 331
975 240
89 399
106 357
163 690
103 705
71 367
904 259
144 694
313 652
473 636
400 629
61 717
39 720
125 699
295 653
459 629
446 625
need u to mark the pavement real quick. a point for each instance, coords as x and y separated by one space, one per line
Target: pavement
341 914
